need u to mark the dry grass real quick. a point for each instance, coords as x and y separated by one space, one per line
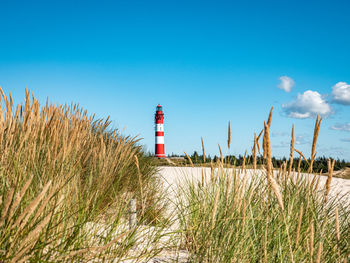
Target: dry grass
203 149
60 169
291 152
329 179
301 155
229 135
189 159
244 160
314 142
283 219
254 151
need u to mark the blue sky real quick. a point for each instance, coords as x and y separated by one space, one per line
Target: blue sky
206 62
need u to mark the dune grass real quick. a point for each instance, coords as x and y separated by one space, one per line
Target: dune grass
62 170
280 216
236 219
66 180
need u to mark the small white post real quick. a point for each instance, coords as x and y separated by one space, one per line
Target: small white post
132 213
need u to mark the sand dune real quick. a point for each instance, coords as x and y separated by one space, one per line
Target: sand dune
173 177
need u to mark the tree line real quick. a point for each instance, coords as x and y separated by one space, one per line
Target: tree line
320 163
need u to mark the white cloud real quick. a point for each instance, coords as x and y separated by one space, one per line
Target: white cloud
301 139
341 93
341 127
276 134
307 105
334 151
286 84
282 144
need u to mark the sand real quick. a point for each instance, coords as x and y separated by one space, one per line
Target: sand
173 177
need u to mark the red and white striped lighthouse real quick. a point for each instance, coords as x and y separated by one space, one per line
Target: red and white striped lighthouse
159 121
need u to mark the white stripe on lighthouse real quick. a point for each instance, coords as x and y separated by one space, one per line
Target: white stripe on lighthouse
159 127
159 139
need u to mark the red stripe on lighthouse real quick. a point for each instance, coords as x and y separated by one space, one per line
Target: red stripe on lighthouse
160 150
159 133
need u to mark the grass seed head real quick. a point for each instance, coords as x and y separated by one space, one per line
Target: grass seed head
291 152
314 142
229 135
329 179
203 150
337 227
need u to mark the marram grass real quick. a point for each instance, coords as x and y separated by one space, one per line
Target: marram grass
63 173
271 217
238 219
66 179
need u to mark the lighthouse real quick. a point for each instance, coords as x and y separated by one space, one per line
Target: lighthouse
159 127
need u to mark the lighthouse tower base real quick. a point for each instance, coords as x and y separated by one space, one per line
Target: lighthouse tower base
160 151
